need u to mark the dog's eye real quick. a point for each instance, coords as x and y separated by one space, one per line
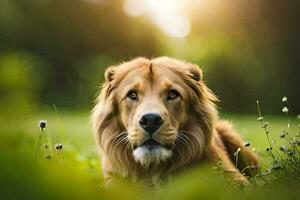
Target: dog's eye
132 94
172 94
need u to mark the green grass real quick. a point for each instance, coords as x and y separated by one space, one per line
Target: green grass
79 176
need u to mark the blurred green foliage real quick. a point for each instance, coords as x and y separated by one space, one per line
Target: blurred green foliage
79 177
58 50
53 54
19 73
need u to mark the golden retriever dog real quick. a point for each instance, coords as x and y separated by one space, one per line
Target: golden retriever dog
155 117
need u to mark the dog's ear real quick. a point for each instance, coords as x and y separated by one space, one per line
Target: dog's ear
109 73
196 72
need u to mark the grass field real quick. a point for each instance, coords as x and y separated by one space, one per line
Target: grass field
74 172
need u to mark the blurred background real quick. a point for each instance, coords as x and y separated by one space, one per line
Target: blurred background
54 52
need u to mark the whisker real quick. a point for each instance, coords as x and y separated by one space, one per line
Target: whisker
177 148
120 138
184 139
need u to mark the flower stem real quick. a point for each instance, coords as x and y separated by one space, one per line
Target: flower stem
38 145
264 126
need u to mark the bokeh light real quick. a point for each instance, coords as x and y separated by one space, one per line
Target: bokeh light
167 15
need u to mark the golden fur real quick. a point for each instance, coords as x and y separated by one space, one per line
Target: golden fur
191 133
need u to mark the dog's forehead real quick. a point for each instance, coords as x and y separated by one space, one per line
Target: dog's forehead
154 77
156 73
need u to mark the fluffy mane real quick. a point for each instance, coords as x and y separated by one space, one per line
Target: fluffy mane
111 134
194 137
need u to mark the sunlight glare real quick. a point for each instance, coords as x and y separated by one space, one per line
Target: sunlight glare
165 14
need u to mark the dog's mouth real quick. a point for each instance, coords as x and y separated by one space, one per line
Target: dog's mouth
151 144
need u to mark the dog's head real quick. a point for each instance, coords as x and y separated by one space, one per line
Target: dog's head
154 111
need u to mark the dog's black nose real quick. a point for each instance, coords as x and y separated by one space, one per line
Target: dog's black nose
151 122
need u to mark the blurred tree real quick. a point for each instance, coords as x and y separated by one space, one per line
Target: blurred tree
20 81
67 32
249 49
